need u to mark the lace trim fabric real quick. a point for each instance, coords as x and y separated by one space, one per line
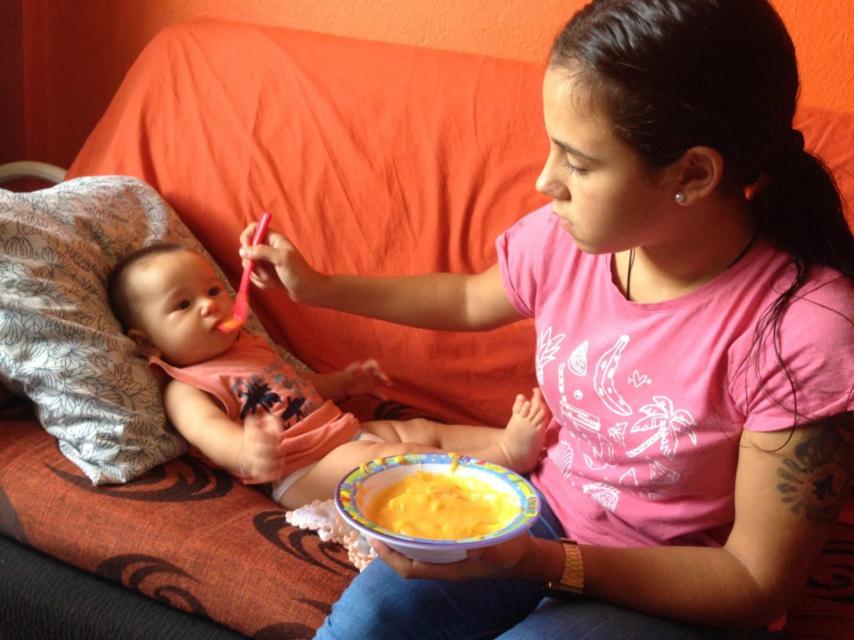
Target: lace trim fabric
322 517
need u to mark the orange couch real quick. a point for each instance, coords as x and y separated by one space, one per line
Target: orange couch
374 158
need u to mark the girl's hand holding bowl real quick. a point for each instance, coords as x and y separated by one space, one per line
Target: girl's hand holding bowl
503 560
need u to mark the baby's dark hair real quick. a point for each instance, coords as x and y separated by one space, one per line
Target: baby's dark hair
117 290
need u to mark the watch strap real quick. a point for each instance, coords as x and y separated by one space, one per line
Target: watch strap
571 581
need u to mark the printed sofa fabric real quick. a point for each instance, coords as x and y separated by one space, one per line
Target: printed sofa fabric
194 539
59 343
183 534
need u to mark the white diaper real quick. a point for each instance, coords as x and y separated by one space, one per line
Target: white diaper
280 487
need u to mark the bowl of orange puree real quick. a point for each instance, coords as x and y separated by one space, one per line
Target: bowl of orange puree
435 506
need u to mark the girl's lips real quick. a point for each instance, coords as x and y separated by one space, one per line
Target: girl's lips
565 223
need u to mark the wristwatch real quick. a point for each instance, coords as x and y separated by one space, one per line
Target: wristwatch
571 581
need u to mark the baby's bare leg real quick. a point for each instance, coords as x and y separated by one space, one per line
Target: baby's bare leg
320 482
517 446
449 437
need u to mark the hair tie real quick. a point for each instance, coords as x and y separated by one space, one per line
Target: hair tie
790 147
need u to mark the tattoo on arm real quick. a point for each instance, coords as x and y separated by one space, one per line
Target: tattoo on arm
817 479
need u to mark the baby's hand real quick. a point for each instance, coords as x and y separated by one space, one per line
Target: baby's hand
359 378
278 262
259 461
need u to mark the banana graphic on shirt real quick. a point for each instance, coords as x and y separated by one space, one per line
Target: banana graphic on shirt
603 378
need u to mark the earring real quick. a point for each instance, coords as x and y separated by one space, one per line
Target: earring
680 197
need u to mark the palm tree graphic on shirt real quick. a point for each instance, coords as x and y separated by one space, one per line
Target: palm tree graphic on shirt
666 423
256 394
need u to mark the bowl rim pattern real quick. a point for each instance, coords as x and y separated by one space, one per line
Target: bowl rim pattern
347 491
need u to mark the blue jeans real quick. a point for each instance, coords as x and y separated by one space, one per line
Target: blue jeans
381 605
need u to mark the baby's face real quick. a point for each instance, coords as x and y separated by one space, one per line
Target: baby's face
178 301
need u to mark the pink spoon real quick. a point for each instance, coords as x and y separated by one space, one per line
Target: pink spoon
240 310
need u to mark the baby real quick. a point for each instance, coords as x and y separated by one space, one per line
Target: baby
245 410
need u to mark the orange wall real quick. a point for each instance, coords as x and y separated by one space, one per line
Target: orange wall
73 55
11 81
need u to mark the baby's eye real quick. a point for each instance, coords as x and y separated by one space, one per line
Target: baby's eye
182 305
214 291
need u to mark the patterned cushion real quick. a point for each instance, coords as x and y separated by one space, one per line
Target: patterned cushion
59 344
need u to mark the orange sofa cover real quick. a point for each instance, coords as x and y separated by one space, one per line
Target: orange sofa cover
374 159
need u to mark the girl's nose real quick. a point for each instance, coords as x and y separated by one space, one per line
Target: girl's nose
548 184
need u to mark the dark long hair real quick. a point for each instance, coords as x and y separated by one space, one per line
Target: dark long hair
672 74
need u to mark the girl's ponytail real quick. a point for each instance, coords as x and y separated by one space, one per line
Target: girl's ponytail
801 210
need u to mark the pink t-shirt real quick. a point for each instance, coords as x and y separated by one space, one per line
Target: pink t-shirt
649 400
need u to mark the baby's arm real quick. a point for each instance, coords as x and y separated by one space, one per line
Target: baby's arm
247 451
357 378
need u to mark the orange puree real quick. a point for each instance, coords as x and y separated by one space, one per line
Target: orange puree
441 507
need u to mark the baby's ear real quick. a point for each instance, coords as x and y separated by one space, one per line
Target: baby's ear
143 348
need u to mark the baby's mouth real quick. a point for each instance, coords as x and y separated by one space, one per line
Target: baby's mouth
226 324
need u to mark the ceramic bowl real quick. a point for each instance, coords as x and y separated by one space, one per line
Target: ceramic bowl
356 491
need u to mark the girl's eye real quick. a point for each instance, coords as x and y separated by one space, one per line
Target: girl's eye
214 291
572 168
183 305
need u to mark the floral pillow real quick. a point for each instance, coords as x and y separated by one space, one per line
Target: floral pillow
59 343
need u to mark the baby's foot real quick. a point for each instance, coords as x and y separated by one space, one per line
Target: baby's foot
525 433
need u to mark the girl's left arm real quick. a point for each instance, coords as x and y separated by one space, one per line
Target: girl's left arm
789 489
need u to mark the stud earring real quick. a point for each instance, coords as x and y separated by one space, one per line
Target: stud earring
680 197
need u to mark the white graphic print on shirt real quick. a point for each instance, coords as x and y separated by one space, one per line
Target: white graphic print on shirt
657 423
637 380
546 350
603 378
564 458
666 423
578 359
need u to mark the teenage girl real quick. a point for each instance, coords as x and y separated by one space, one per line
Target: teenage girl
693 277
